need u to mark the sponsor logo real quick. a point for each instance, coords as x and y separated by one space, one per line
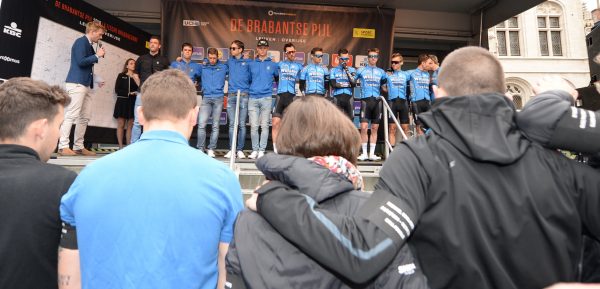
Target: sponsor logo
276 13
194 23
191 23
361 61
9 59
13 30
407 269
274 55
363 33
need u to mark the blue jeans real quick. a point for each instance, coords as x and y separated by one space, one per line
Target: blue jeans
259 110
210 106
231 101
136 131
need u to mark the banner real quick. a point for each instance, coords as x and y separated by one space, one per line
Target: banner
37 39
306 26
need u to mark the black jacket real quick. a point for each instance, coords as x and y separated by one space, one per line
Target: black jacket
30 193
148 64
125 85
486 207
264 259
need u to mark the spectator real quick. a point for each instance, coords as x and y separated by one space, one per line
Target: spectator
161 215
483 206
30 116
317 146
126 87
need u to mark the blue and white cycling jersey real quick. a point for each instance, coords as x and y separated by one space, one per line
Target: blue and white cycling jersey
289 72
397 83
419 85
315 75
341 77
371 78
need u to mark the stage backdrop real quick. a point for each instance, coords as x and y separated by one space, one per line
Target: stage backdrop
37 39
214 24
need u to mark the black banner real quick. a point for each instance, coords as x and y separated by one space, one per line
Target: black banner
20 23
306 26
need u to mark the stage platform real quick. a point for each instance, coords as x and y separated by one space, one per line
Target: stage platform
249 176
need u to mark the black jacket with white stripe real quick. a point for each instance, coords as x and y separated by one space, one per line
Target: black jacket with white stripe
259 257
486 207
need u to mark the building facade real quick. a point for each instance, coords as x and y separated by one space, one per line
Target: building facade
548 39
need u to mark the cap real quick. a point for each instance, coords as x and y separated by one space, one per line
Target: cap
262 42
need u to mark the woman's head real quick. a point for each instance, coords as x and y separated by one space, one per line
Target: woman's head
129 65
313 126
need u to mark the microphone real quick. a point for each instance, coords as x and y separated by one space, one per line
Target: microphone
100 46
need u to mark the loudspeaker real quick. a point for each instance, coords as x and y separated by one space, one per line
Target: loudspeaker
590 98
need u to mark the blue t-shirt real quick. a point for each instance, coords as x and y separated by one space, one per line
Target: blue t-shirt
341 77
152 215
289 72
397 83
419 85
315 76
262 76
213 79
239 74
191 68
371 79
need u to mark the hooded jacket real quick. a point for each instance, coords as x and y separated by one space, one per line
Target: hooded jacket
264 259
484 206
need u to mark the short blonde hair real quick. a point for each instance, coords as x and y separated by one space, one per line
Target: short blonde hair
94 26
168 95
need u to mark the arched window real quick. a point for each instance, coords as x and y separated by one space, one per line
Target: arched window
516 92
508 37
550 28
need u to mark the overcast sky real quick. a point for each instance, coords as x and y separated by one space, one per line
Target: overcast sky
591 4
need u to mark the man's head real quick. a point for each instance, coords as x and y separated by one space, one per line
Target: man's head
213 56
424 62
397 61
290 51
236 48
343 56
262 47
154 44
470 71
169 100
186 51
317 55
436 63
313 126
94 31
373 55
31 113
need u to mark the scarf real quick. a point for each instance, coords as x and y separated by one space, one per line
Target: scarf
342 166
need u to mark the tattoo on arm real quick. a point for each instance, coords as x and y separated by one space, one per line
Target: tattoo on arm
63 280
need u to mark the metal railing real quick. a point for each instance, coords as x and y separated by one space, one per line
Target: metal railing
236 122
386 113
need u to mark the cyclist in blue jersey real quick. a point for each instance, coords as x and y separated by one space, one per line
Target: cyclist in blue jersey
239 79
420 81
371 79
314 77
189 67
214 74
289 72
397 85
343 79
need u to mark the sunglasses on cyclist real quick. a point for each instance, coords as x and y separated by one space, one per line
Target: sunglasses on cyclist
233 48
290 52
344 58
318 55
395 62
373 56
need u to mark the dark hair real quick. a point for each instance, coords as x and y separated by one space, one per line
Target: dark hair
312 52
168 94
422 58
287 45
376 50
342 51
239 44
313 126
188 45
482 69
213 51
155 37
125 70
24 100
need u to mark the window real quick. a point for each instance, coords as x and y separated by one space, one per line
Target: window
508 37
516 92
550 29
